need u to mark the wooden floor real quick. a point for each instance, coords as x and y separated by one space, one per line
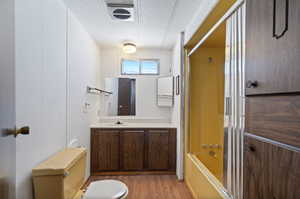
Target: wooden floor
151 186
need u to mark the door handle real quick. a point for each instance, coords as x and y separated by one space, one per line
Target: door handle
227 106
275 35
251 84
15 132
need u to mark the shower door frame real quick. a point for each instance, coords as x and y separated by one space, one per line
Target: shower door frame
235 19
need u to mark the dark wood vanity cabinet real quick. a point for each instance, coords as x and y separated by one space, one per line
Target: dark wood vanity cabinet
133 150
272 63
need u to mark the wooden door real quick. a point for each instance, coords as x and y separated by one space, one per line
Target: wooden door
105 150
272 64
161 153
7 101
271 170
132 149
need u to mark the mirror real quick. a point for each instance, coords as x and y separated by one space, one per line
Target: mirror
165 90
122 101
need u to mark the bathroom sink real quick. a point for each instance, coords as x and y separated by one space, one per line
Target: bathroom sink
115 124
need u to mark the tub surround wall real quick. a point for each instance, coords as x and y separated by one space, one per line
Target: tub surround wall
207 107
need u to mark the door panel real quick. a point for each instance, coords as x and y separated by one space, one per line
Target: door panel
271 170
274 117
132 150
255 169
123 97
7 100
272 65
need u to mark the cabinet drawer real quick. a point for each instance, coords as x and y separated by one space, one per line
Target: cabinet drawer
274 117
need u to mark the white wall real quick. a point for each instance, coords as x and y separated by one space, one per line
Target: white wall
198 19
40 85
146 87
176 111
83 67
55 60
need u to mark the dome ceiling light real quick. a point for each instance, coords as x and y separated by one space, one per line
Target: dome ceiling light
129 48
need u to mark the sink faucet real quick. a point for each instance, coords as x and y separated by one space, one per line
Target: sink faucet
119 122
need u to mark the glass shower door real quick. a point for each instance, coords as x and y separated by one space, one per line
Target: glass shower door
234 103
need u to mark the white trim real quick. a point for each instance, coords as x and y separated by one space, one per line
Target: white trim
68 123
234 7
180 169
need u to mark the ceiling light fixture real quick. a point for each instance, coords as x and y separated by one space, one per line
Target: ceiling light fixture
129 48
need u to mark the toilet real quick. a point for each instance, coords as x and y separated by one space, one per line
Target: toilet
63 175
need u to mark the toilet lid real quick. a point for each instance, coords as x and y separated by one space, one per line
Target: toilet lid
106 189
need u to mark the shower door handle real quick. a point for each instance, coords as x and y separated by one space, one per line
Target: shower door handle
286 27
227 106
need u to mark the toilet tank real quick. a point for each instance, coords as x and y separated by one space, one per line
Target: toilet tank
61 176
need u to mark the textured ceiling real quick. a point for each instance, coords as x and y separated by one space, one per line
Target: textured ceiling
157 22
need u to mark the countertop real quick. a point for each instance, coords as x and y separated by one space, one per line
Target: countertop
133 125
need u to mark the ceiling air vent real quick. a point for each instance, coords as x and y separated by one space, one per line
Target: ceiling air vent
121 12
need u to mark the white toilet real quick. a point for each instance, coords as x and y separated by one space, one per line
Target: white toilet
62 176
106 189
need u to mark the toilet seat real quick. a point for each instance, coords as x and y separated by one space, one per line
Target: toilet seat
106 189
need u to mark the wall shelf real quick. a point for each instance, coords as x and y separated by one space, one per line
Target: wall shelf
97 91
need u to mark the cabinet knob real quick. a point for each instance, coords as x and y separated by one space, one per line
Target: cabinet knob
251 84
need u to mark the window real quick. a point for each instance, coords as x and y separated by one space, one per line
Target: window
130 67
140 67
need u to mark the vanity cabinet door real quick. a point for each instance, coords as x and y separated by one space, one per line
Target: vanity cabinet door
272 64
132 149
161 150
105 150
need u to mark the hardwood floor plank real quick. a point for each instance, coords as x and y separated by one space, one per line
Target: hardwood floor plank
151 186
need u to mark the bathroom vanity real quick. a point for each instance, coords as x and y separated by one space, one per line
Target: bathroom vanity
133 150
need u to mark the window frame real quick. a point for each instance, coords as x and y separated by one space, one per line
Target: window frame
140 66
